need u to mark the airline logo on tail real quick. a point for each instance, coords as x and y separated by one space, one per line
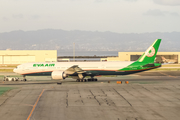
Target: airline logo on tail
150 52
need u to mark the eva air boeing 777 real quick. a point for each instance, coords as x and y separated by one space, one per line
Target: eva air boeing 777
79 70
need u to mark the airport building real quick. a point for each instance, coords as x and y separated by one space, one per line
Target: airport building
24 56
162 57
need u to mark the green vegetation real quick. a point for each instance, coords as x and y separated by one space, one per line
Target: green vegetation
2 76
5 89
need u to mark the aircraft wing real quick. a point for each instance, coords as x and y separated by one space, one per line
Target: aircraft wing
74 69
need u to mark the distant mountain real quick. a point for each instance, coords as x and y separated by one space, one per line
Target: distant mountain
62 40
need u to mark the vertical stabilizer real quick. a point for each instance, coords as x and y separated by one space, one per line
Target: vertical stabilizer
150 54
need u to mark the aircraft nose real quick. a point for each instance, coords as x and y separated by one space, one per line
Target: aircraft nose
14 70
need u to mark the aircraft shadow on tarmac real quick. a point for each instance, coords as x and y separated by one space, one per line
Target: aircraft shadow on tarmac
143 76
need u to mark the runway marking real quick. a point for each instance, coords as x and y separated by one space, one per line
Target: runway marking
34 106
167 75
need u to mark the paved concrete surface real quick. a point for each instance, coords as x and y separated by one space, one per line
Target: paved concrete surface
144 98
159 73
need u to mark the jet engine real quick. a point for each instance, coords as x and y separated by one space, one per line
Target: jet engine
58 75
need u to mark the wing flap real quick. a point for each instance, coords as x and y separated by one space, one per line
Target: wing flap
74 69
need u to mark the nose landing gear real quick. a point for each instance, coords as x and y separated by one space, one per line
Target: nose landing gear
24 78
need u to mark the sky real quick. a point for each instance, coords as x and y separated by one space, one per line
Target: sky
121 16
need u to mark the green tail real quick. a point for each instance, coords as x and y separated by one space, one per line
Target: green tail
150 54
146 61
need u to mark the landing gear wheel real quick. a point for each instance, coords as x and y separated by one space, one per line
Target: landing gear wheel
95 79
84 80
77 80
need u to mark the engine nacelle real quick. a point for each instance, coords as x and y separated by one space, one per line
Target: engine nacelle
58 75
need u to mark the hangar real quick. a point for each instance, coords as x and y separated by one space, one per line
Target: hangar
162 57
24 56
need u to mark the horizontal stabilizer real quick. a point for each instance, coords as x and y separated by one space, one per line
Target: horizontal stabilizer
149 65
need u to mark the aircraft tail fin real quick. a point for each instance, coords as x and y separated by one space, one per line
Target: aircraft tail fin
150 54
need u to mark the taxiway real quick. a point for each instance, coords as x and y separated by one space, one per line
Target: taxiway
148 96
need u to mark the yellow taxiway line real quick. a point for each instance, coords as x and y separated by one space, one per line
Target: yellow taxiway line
34 106
167 75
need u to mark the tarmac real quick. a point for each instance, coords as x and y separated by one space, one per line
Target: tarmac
148 96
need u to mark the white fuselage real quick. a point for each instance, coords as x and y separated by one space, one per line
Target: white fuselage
28 68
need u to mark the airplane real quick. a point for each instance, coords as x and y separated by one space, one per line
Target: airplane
79 70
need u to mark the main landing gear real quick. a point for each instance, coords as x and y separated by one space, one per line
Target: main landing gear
81 78
86 80
92 79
